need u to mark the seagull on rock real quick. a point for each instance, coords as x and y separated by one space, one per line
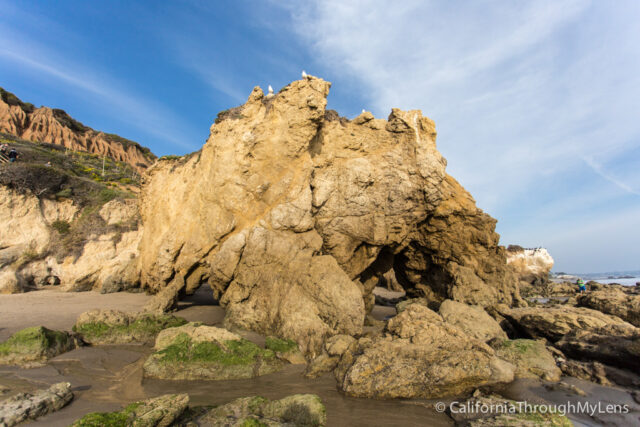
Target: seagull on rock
363 111
304 74
270 90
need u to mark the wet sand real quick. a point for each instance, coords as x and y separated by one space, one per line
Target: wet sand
106 378
59 310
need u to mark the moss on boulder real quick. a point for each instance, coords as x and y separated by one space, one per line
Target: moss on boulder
285 349
117 327
295 410
195 351
159 411
34 344
531 358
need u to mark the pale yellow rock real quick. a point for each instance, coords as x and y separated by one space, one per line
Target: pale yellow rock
473 320
108 262
422 357
119 211
292 214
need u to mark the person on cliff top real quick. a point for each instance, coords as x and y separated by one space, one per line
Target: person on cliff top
581 286
13 155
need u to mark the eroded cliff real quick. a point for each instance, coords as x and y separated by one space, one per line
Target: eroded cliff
55 126
292 214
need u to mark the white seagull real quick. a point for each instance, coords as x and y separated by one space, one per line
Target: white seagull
270 90
363 111
304 74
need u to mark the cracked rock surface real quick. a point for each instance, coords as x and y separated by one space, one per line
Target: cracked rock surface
293 214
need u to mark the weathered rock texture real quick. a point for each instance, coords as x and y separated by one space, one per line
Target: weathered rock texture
421 357
613 301
531 358
116 327
531 265
161 411
105 257
56 127
31 346
554 322
294 410
614 344
25 406
293 215
195 351
473 320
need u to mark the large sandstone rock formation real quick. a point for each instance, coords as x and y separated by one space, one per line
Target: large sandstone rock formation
56 127
104 258
293 214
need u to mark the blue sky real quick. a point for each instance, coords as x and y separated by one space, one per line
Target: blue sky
537 104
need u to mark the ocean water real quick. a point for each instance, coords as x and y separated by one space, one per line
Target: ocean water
626 278
625 282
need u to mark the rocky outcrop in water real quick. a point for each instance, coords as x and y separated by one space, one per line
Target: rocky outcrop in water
194 351
32 346
294 410
293 214
421 356
98 327
498 411
27 406
56 127
161 411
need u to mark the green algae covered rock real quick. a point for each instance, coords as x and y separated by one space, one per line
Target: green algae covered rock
531 358
157 412
117 327
295 410
285 349
195 351
34 345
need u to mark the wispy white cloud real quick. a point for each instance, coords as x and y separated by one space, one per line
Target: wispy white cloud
522 93
597 168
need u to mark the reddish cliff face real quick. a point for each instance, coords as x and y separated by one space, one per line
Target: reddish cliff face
54 126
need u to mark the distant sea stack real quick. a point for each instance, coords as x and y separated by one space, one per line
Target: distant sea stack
55 126
531 265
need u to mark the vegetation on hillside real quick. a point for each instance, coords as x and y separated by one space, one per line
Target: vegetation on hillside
11 99
76 176
66 120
